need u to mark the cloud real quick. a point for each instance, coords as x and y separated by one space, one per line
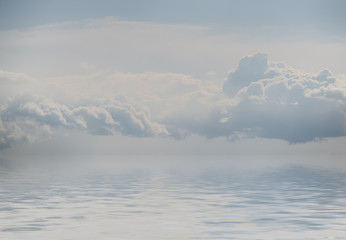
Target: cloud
13 82
276 101
250 69
104 102
29 117
13 77
10 135
259 99
136 47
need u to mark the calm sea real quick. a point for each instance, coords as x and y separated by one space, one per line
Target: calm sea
173 197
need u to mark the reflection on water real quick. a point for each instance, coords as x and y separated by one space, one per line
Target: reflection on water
171 198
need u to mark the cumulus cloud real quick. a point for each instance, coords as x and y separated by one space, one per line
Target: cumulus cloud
276 101
250 69
259 99
270 100
104 102
28 118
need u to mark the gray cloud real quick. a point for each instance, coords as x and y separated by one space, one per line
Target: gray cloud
28 118
271 100
260 99
250 69
275 101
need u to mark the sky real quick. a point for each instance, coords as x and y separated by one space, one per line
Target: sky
172 77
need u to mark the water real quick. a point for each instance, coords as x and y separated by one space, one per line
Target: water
173 197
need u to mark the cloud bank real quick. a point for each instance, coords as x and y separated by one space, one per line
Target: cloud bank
259 99
29 118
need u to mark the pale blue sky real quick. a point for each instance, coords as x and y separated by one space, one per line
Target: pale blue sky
317 16
127 76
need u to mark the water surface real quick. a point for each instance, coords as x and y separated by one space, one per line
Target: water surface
173 197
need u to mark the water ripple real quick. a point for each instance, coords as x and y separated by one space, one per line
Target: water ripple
218 201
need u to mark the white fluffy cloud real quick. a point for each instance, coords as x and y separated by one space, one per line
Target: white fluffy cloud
276 101
102 102
271 100
28 117
259 99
